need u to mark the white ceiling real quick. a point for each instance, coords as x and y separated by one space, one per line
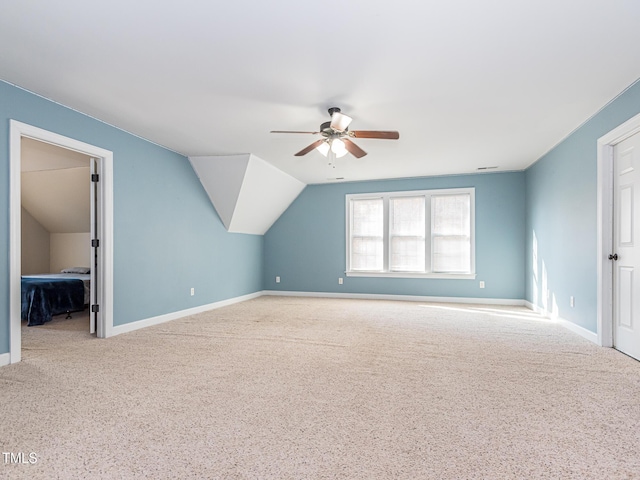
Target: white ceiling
38 156
468 84
55 187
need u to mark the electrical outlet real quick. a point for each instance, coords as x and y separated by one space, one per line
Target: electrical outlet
340 281
481 283
572 301
193 291
278 279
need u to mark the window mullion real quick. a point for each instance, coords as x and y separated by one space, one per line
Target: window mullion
349 232
386 240
427 233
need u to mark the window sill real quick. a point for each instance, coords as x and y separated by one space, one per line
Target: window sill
454 276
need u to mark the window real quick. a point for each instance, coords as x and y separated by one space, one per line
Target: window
451 233
367 234
427 233
406 234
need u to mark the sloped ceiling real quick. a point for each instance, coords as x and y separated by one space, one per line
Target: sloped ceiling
55 187
248 193
467 83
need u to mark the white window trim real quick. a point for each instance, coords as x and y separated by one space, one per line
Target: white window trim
410 193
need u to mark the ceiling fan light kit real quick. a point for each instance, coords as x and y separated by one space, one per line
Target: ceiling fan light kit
323 148
337 147
337 136
339 121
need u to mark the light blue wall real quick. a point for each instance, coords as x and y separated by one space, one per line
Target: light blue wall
561 212
167 236
306 246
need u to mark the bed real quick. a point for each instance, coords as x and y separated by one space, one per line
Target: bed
49 294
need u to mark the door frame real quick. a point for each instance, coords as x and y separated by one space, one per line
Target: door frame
18 130
605 226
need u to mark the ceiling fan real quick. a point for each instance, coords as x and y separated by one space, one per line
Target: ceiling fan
336 136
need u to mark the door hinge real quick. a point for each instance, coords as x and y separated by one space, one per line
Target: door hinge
95 243
95 308
95 177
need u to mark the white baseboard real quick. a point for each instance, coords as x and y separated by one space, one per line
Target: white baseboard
583 332
405 298
5 359
147 322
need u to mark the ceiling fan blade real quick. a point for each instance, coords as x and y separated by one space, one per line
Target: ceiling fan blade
292 131
387 135
306 150
340 121
353 149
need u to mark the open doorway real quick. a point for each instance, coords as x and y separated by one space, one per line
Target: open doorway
92 221
56 253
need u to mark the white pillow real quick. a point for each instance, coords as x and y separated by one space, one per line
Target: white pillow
76 270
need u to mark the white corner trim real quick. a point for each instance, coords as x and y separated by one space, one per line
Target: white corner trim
583 332
5 359
405 298
148 322
537 309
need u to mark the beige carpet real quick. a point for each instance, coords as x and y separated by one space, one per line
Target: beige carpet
298 388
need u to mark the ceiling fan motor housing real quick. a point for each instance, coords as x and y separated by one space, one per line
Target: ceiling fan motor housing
325 128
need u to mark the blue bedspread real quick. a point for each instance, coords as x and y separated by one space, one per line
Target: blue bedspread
43 298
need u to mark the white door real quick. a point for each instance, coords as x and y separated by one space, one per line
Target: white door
626 241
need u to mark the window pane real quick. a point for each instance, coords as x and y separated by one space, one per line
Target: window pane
407 254
407 216
367 217
406 229
367 229
366 253
451 214
451 233
451 254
